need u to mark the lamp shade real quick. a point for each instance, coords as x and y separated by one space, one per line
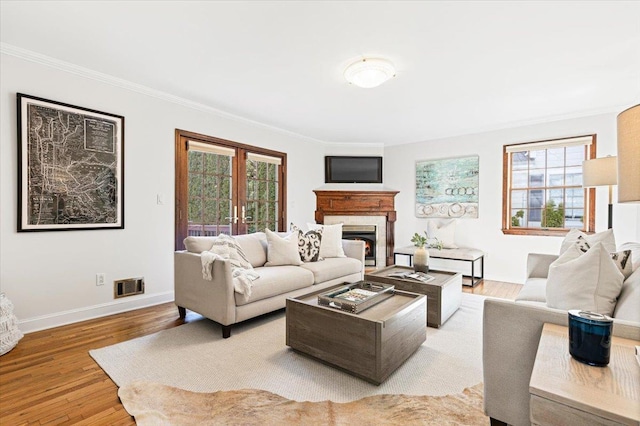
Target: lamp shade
629 155
369 72
599 172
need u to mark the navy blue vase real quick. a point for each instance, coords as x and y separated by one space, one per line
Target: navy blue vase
590 337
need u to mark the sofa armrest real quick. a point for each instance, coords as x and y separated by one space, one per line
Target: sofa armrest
354 249
538 264
213 299
511 333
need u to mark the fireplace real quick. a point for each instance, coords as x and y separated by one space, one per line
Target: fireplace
366 233
362 208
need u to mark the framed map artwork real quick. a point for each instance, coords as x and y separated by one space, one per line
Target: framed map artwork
70 167
447 187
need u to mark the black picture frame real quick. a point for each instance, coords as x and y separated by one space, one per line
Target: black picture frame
70 167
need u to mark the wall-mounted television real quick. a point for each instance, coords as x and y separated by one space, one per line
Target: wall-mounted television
352 169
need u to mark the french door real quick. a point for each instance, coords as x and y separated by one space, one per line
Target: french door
227 187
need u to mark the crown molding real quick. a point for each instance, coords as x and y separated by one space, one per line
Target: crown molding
28 55
521 123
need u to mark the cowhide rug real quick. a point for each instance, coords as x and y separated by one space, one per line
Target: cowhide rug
155 404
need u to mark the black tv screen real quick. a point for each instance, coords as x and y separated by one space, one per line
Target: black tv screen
353 169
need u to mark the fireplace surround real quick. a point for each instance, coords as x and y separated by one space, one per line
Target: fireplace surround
361 208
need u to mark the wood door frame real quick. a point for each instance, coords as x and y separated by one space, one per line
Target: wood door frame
238 190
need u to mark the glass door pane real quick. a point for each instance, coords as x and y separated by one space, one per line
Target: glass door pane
261 198
210 194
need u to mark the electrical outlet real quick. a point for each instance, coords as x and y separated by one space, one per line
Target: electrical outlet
100 278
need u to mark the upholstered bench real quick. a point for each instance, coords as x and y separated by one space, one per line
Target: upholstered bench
462 254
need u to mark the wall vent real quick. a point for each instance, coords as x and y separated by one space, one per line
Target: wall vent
128 287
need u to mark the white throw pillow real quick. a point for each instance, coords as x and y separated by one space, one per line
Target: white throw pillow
445 232
588 281
331 244
282 251
605 237
228 248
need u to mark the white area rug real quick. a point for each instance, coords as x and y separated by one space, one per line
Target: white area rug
195 357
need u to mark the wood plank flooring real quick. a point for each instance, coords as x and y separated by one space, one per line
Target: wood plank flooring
49 378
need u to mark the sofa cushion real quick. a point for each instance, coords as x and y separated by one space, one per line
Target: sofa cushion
282 250
254 247
274 281
332 268
605 237
589 281
534 290
628 306
331 244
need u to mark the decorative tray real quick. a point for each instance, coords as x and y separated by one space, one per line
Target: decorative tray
356 297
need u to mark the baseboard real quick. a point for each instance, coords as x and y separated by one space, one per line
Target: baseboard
44 322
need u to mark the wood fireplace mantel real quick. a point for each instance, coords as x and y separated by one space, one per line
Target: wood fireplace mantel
359 203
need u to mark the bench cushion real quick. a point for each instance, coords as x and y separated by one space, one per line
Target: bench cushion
460 253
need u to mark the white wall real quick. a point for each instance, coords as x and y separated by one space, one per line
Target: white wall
50 276
506 254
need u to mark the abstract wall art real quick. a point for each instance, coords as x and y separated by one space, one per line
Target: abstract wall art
447 187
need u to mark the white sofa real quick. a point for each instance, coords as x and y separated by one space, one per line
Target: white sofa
217 300
511 333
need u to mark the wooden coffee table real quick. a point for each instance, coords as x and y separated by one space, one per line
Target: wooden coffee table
370 345
444 293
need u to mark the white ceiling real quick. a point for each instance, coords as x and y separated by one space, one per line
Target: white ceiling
463 67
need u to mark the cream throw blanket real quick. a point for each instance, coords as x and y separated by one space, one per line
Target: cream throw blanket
226 248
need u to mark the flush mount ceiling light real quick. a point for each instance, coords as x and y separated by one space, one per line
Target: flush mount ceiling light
369 72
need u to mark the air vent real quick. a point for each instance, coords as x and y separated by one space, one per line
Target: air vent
128 287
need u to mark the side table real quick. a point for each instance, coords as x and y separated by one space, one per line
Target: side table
567 392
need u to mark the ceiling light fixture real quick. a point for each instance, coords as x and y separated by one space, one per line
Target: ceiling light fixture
369 72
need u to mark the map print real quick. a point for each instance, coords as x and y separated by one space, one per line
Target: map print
72 168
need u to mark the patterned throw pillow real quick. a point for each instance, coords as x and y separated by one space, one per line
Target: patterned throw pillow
308 244
582 244
622 259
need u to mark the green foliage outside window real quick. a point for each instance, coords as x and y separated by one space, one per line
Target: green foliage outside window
515 220
552 216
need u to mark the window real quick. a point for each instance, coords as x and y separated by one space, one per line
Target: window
542 191
227 187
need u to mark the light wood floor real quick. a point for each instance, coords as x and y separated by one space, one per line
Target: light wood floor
49 378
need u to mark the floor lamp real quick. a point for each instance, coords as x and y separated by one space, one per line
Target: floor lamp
601 172
629 155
